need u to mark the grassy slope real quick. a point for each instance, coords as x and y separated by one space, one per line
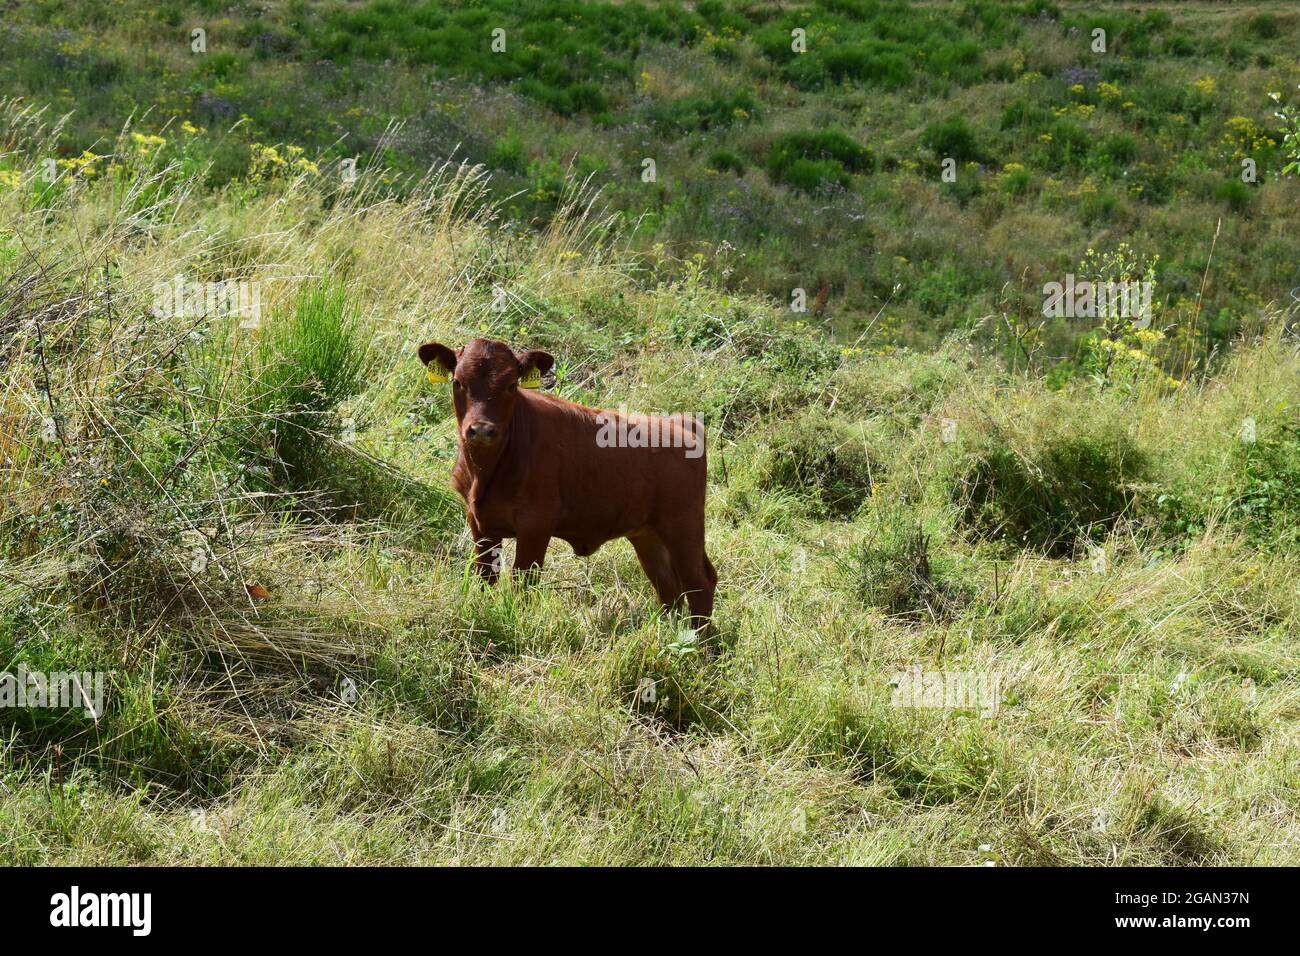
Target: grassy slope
1149 699
1143 143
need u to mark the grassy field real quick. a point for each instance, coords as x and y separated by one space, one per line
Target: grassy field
247 525
818 171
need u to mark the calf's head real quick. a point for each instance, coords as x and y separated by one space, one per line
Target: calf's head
485 376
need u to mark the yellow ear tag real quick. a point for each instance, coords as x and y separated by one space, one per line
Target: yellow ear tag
437 374
532 380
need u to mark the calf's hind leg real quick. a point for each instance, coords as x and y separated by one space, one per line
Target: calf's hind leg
695 573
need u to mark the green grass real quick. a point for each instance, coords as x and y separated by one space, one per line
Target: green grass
1059 148
1104 532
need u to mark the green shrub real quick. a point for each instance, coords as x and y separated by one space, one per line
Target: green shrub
310 363
1025 116
895 568
1069 144
953 138
806 160
873 64
1016 182
307 364
1180 45
810 174
725 161
827 461
1119 149
1098 208
950 285
221 65
1263 26
706 111
1235 193
1269 503
509 154
1072 484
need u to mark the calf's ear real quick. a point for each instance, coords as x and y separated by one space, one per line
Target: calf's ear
445 358
533 364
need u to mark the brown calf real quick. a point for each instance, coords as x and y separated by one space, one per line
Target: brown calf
533 467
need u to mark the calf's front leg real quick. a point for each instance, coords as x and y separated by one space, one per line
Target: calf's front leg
487 552
488 558
530 553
